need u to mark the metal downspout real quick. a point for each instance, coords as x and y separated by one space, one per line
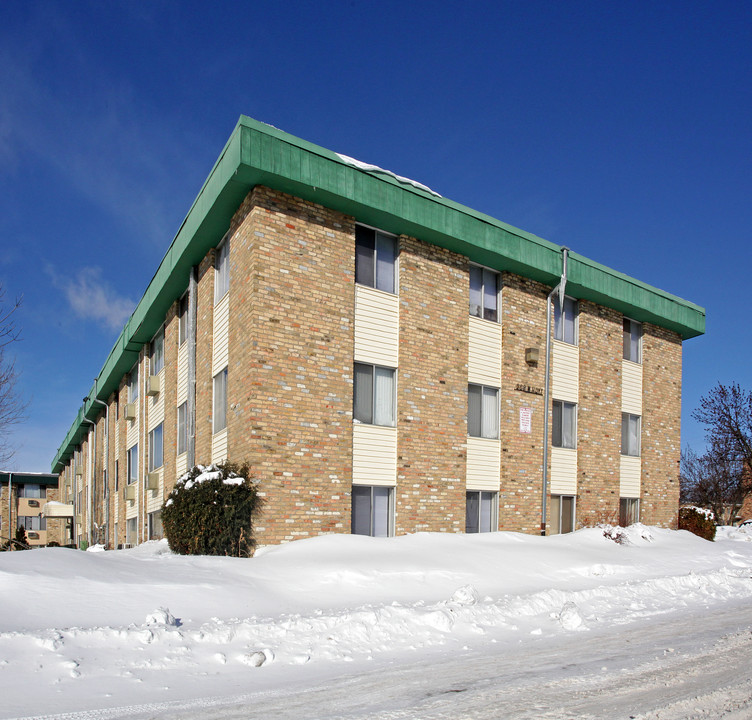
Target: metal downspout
106 478
561 290
10 507
92 465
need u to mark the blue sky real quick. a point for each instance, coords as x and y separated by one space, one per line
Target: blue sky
623 130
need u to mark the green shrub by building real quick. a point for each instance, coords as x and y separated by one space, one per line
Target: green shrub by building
210 511
697 521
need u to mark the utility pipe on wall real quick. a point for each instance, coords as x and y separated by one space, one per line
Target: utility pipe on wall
561 290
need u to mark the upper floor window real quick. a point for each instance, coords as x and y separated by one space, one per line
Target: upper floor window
565 320
222 271
182 428
564 425
632 340
482 411
374 395
132 458
219 418
133 384
484 293
156 448
32 491
375 259
156 357
183 319
630 434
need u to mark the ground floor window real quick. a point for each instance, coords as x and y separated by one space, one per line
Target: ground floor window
629 511
155 525
562 514
481 511
131 528
372 510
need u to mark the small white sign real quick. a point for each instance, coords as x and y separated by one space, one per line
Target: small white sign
526 419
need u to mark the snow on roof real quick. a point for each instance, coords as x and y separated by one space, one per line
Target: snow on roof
376 169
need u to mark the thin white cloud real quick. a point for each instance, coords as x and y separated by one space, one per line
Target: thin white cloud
91 298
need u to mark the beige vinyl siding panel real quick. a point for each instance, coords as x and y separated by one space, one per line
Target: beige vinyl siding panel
563 471
631 387
219 446
156 404
484 352
154 499
182 388
565 372
630 477
131 433
221 334
374 455
181 464
376 326
483 464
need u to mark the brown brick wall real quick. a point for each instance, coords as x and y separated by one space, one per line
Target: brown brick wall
204 346
291 361
661 425
599 415
431 389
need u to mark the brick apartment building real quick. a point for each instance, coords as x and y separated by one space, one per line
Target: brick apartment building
30 501
378 353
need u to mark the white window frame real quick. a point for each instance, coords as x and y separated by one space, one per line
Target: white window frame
156 442
570 320
489 524
374 395
478 308
379 254
222 270
632 340
182 427
488 427
132 464
629 507
154 525
627 447
219 401
557 508
133 384
563 414
156 353
371 491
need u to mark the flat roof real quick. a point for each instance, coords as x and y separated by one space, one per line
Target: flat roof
28 478
259 154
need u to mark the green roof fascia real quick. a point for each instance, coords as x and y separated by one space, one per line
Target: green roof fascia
258 154
28 478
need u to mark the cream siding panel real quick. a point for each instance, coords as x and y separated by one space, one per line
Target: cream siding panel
563 471
565 372
221 334
376 327
183 373
219 446
631 387
156 404
154 499
132 429
181 465
484 352
374 455
630 484
483 464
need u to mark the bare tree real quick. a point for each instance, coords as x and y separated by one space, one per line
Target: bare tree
11 407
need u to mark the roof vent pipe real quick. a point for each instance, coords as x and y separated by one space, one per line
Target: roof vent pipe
560 291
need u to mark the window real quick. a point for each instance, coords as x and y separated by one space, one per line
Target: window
375 259
32 491
222 271
564 426
155 525
374 395
562 514
156 358
117 475
632 338
32 522
484 293
565 320
133 384
156 448
220 401
629 511
481 511
182 428
630 434
183 319
132 458
131 530
372 510
482 411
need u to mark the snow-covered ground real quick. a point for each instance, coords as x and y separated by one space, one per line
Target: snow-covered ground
421 626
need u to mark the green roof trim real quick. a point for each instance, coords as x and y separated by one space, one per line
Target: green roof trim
27 478
259 154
